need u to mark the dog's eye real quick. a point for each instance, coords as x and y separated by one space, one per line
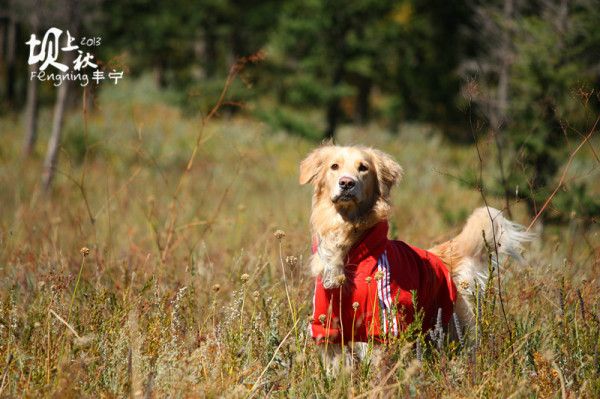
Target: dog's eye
335 166
362 167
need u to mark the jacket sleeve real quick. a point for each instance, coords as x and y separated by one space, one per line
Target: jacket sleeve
323 325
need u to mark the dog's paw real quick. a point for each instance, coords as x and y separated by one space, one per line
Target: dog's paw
333 278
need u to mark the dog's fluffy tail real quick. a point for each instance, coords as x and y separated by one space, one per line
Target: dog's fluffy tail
486 237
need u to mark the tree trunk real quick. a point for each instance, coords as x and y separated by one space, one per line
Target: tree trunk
54 144
339 55
51 161
2 42
333 112
333 106
11 43
210 41
2 37
31 112
32 100
160 74
362 101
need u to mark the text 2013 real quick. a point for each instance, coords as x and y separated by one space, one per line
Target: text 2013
91 41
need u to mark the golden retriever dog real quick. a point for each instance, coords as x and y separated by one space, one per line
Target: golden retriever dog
364 281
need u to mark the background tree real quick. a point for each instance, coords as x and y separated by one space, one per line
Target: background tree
553 101
153 35
36 17
534 75
32 99
534 65
421 56
74 14
494 25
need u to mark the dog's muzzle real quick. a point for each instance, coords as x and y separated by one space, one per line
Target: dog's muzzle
346 189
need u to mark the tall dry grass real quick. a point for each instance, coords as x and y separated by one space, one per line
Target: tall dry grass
223 311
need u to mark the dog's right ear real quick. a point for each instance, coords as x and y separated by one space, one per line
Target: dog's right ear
389 172
311 165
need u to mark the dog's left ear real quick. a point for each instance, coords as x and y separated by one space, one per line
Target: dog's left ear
311 165
389 172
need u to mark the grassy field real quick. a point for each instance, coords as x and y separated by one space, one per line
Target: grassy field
183 291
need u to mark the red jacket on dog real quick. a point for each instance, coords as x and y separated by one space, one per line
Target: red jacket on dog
376 300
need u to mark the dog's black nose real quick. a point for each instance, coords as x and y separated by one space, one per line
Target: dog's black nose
346 183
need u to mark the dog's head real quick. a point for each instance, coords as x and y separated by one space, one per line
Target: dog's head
354 180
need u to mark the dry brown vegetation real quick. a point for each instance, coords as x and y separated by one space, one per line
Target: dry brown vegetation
183 290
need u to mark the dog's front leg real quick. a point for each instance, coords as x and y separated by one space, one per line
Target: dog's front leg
333 274
329 262
335 359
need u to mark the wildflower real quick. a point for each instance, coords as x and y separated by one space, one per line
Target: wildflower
322 318
245 277
85 251
216 288
437 333
355 306
459 333
419 351
378 275
464 285
279 234
368 279
255 295
291 261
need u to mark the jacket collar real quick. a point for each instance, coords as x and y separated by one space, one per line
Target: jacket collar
371 245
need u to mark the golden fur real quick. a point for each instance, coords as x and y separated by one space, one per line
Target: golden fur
339 224
339 218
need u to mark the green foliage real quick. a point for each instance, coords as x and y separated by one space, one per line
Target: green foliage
419 56
155 35
79 143
283 119
201 97
531 85
350 49
553 106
